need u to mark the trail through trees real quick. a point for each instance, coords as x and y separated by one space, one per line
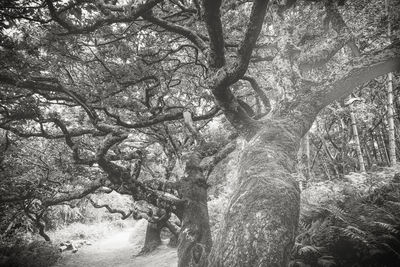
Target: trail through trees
119 250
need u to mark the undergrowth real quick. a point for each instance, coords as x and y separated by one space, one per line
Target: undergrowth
29 251
33 254
362 230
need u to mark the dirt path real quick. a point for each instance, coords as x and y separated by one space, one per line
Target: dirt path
118 250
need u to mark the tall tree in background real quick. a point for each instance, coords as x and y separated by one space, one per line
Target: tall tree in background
390 106
128 70
356 138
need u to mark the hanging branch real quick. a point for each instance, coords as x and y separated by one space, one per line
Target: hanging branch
124 215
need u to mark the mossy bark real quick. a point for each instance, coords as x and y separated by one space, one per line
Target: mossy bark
261 222
195 236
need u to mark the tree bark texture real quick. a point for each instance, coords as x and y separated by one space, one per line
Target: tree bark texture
195 236
357 141
261 221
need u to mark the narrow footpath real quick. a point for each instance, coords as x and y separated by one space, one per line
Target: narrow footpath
119 250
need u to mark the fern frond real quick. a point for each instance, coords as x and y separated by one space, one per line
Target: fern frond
386 227
306 250
338 213
354 234
326 261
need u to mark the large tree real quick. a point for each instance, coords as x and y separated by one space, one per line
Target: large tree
113 73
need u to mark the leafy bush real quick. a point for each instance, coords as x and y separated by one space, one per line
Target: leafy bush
33 254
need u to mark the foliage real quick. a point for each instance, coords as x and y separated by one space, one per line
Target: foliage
33 254
361 231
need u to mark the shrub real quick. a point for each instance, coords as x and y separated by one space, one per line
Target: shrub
33 254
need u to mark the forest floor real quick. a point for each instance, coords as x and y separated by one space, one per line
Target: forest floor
120 250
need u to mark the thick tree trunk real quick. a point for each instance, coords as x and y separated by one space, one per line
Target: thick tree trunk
173 241
153 237
261 221
195 235
174 229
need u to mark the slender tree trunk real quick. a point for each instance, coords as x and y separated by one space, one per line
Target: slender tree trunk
383 147
398 145
305 157
43 233
343 146
331 158
374 152
261 221
390 118
368 155
326 170
381 150
357 141
315 156
195 236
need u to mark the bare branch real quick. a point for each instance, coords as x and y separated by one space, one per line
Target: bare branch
124 215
